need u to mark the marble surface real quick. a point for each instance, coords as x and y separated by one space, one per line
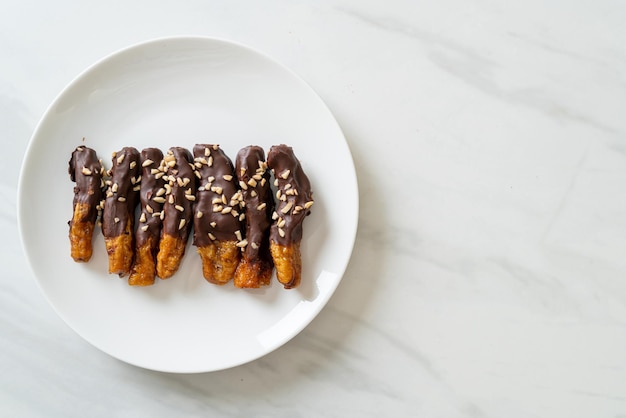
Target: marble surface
488 278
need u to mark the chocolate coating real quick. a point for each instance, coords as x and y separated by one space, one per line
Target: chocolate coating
180 170
150 185
225 223
290 206
126 178
88 188
250 162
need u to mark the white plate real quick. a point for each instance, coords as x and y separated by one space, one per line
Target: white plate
178 92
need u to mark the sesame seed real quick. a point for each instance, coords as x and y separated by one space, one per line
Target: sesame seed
159 199
142 218
243 185
120 159
226 210
132 165
242 244
160 192
149 209
281 232
199 215
211 236
308 204
287 207
144 228
147 163
227 177
86 171
181 224
213 224
238 234
179 208
116 220
190 197
261 206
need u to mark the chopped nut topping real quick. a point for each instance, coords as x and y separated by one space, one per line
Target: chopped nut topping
120 159
211 236
142 218
308 204
281 232
121 199
238 234
285 174
86 171
147 163
149 209
181 224
213 224
227 177
160 192
179 208
261 206
243 185
159 199
144 228
116 220
242 244
190 197
199 215
287 207
132 164
226 210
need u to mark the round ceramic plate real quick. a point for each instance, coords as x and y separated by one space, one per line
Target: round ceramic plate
179 92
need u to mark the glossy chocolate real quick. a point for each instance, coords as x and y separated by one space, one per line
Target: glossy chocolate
251 169
122 194
151 182
294 196
86 170
178 209
215 219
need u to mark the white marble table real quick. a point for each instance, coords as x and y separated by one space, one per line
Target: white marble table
489 274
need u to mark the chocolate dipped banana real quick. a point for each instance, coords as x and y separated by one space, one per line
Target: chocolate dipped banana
256 266
294 200
118 216
217 214
148 230
85 169
177 210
